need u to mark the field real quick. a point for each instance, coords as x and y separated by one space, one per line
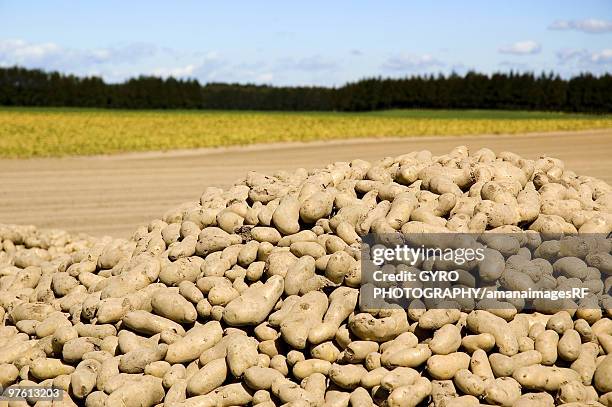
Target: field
114 194
26 133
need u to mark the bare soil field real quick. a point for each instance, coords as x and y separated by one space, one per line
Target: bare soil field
114 194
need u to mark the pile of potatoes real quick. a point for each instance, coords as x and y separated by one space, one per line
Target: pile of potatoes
250 296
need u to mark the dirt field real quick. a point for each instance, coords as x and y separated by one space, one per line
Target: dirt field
112 195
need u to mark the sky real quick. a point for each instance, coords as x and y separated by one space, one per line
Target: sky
310 43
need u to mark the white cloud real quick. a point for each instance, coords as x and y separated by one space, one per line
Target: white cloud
312 63
21 52
410 62
265 77
583 58
114 64
602 57
567 55
55 57
591 25
528 47
574 61
177 72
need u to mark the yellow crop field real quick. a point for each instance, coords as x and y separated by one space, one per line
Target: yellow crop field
63 132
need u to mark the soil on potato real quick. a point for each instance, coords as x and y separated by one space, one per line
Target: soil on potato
113 195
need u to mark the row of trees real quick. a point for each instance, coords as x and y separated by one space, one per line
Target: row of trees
525 91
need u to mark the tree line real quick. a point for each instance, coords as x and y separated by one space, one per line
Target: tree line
515 91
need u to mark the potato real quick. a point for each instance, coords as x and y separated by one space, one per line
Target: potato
177 393
303 236
147 391
501 365
360 397
401 208
472 343
254 304
446 340
259 378
560 322
410 395
603 374
183 269
480 365
437 318
373 377
307 367
442 392
338 266
342 302
410 357
485 322
135 361
535 399
569 345
392 323
111 310
175 374
398 377
196 340
30 311
128 341
43 368
503 391
208 378
8 374
231 394
109 368
96 331
572 392
570 267
346 376
312 249
297 275
346 232
357 351
212 239
286 216
83 379
158 368
279 362
143 322
545 378
265 234
444 367
173 306
606 399
546 343
96 399
241 354
278 262
304 314
528 358
469 383
525 344
585 365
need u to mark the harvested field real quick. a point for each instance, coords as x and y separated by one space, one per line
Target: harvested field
112 195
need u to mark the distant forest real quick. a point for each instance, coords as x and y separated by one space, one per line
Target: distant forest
515 91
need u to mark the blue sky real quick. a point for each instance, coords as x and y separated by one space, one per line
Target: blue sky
310 43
